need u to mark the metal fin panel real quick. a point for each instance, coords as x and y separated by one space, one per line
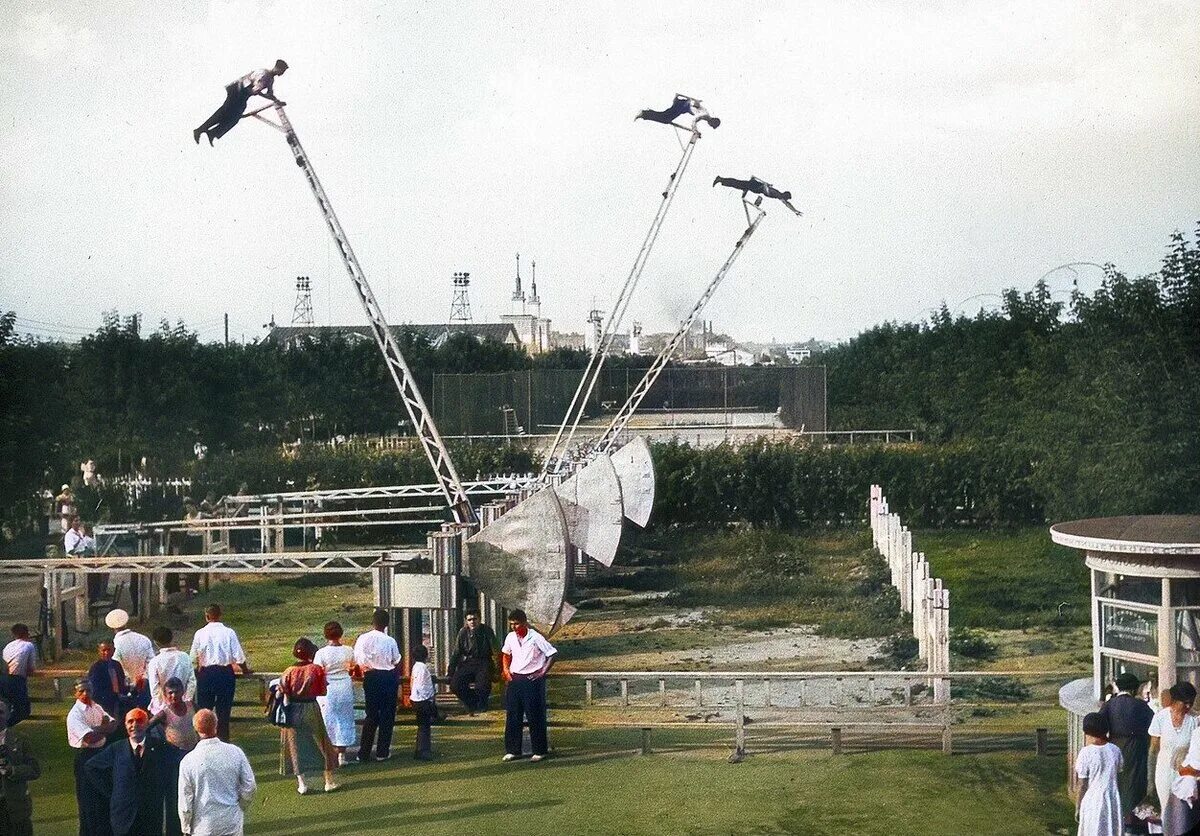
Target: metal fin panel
635 471
591 502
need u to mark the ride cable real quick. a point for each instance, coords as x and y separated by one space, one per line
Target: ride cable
605 441
587 382
418 412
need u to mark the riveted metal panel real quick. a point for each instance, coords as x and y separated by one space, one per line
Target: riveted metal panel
635 471
591 502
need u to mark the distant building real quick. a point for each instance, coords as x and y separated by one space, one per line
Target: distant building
501 332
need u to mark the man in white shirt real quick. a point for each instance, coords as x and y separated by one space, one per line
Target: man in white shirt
526 657
216 783
215 650
171 662
20 656
73 540
88 727
237 96
378 656
134 651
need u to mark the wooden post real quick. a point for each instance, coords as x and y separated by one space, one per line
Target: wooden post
699 694
739 750
662 692
1041 744
587 690
947 740
624 692
645 740
767 686
835 736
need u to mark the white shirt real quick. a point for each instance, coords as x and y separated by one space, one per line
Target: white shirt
170 661
216 644
421 682
72 540
134 651
82 719
256 81
21 656
529 654
216 784
335 659
376 651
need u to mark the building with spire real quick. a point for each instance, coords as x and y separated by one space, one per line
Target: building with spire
526 318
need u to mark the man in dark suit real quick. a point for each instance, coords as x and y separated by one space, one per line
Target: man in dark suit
1129 719
17 768
130 774
471 664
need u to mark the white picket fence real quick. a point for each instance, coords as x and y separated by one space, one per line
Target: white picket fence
925 597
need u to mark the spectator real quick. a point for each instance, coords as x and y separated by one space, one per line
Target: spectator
74 538
1128 718
216 783
134 651
17 768
129 773
526 658
21 658
304 739
1170 732
215 651
65 503
422 696
107 678
1097 767
471 664
337 706
175 719
378 656
88 728
170 662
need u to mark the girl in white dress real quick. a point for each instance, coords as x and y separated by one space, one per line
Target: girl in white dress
1097 766
1170 731
337 706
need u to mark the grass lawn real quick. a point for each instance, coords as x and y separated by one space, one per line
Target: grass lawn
596 783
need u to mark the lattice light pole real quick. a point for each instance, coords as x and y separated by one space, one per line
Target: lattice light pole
460 304
302 313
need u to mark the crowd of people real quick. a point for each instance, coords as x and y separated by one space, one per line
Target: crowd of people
150 724
1133 751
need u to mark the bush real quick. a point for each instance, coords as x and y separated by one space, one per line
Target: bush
973 644
992 689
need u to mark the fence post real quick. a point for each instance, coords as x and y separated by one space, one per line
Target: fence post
587 689
835 736
739 750
699 694
662 692
624 692
645 740
947 740
1041 745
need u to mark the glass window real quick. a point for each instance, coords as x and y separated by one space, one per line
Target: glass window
1132 630
1111 668
1185 593
1129 588
1187 637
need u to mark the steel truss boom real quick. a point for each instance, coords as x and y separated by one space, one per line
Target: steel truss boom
272 562
606 440
596 362
431 440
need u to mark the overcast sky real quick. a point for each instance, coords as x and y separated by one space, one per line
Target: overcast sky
940 151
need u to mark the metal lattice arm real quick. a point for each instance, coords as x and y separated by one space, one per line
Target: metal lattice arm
422 419
606 440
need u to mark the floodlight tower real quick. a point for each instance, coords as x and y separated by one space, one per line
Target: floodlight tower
302 313
460 305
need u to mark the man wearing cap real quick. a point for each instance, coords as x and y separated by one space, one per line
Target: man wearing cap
20 657
1129 719
88 728
129 774
525 659
215 650
237 96
134 651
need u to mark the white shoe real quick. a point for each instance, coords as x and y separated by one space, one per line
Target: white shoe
301 787
343 760
509 757
330 786
536 758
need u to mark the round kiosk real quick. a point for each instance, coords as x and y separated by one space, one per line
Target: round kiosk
1145 582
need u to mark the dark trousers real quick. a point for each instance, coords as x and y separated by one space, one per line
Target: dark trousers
379 688
172 758
228 114
426 711
477 673
17 824
93 807
525 699
215 685
18 699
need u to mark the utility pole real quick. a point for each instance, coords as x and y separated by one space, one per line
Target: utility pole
227 330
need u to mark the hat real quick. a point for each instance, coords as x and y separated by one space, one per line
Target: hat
65 488
1128 681
116 619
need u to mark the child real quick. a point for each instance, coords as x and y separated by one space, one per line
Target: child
422 694
1097 766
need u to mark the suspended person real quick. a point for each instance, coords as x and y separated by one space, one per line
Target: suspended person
1097 766
1128 717
337 706
471 664
237 96
681 105
88 728
17 768
304 739
757 186
177 730
526 658
215 652
378 656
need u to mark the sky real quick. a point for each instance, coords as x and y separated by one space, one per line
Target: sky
940 151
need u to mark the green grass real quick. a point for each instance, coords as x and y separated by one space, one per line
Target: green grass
596 784
1007 579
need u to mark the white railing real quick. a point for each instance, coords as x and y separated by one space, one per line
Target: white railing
923 596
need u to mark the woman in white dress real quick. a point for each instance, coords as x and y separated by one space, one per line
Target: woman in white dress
1170 731
1097 766
337 706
